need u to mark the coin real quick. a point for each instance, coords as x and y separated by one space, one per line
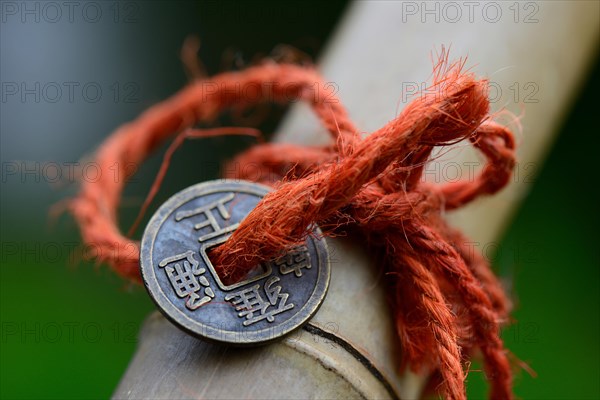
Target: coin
275 298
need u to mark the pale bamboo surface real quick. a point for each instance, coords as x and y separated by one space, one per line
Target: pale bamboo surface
377 52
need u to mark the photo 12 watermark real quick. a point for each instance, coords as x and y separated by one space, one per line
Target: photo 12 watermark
523 252
509 92
289 92
67 332
53 12
472 12
66 172
37 92
449 171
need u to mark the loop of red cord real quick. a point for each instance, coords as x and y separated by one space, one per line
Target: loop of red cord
446 301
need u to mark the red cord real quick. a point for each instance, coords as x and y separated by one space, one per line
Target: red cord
446 301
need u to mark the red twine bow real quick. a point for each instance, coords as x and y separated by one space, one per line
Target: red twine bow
446 301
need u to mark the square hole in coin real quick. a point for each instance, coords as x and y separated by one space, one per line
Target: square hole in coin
232 282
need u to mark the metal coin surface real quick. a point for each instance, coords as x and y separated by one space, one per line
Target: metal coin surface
274 299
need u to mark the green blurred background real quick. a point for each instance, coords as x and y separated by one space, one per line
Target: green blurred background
69 327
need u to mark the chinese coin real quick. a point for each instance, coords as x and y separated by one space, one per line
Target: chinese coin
273 299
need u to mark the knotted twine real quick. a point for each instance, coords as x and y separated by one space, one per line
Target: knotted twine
446 301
